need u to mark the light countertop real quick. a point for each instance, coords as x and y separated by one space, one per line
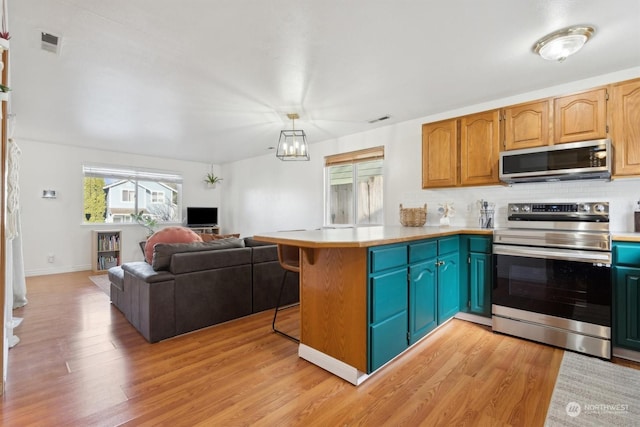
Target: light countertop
625 237
362 237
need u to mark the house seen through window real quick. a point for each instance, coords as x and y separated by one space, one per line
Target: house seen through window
354 188
112 194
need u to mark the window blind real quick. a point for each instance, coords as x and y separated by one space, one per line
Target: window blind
358 156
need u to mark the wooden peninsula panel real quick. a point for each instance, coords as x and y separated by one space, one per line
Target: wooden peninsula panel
333 303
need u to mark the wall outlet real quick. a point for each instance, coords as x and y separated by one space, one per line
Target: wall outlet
50 258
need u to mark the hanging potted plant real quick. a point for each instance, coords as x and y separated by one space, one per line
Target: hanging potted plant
211 180
4 34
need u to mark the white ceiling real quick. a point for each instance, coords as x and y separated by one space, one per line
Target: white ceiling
213 80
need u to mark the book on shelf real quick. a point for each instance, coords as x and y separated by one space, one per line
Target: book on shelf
108 242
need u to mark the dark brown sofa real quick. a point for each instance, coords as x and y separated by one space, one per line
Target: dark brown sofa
202 285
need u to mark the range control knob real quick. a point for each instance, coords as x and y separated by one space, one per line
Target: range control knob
599 208
585 208
526 208
514 208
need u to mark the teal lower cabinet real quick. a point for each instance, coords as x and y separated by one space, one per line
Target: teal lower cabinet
480 284
476 275
388 316
626 307
412 288
448 286
422 299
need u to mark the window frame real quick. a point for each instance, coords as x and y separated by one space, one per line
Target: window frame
137 176
353 158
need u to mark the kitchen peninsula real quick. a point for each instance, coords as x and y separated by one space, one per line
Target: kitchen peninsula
367 294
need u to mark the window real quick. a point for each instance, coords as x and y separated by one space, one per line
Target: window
157 196
128 195
112 194
354 188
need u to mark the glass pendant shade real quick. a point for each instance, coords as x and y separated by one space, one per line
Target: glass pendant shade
561 44
292 144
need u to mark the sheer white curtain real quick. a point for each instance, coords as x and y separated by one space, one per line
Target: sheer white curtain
16 288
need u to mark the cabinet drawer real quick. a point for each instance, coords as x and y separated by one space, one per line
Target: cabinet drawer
423 251
390 257
448 244
479 244
388 294
626 254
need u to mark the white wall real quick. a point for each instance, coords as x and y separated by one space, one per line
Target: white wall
264 194
54 226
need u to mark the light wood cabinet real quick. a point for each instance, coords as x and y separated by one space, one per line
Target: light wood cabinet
440 154
480 148
461 151
625 121
527 125
580 117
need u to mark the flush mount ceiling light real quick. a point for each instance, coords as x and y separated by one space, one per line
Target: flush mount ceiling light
563 43
293 143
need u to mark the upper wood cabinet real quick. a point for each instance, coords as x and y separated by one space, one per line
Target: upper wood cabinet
479 148
625 121
580 117
440 154
572 118
461 151
527 125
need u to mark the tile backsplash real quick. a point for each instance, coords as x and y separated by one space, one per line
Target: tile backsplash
622 195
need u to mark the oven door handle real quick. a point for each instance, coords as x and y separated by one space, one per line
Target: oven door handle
553 253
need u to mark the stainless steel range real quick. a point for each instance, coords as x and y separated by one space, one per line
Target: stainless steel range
552 275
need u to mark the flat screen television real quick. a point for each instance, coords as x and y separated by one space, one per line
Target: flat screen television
202 217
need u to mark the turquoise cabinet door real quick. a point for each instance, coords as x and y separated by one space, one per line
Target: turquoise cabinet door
480 284
387 340
448 287
626 308
422 299
388 315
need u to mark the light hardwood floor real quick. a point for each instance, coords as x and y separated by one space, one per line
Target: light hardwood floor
79 363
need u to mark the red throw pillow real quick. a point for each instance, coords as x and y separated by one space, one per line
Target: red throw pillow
172 234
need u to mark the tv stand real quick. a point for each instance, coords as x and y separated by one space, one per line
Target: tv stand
212 229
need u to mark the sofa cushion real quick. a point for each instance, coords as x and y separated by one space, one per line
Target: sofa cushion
172 234
250 242
163 252
206 237
186 262
264 254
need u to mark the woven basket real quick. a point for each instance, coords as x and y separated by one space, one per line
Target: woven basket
413 217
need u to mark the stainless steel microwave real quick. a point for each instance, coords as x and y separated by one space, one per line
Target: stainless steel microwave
576 160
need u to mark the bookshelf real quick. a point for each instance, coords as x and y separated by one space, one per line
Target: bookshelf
106 246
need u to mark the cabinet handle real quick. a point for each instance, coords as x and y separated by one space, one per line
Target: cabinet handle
439 263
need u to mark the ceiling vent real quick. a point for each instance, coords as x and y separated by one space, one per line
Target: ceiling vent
379 119
50 42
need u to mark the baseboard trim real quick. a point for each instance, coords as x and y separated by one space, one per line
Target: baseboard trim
623 353
333 365
59 270
473 318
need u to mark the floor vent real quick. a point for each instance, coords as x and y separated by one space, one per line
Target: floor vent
50 42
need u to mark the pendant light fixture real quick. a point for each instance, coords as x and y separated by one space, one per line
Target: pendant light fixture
293 143
559 45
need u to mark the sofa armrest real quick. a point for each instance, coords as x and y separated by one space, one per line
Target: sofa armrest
145 272
151 305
